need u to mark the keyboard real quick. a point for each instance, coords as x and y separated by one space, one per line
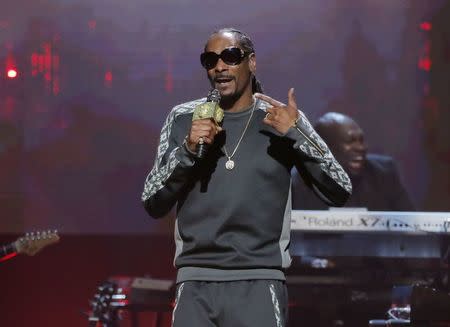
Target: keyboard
351 233
370 221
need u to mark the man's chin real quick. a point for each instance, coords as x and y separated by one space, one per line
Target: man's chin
355 173
225 92
355 167
228 98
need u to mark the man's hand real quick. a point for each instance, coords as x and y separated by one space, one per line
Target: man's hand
202 131
281 116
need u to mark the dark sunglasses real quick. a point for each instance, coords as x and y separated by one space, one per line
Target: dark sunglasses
230 56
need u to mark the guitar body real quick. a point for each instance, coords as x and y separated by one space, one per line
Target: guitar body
104 309
94 323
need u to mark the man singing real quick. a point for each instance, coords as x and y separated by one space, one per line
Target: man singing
234 204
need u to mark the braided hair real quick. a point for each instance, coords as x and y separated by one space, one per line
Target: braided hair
247 45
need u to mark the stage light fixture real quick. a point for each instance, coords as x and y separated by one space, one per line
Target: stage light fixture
11 73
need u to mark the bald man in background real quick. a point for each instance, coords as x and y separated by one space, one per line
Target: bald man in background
376 182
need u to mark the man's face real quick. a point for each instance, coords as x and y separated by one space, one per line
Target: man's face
232 81
348 146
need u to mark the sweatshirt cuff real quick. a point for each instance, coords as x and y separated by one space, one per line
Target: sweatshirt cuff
298 133
185 156
307 140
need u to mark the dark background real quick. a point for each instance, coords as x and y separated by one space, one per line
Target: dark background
79 124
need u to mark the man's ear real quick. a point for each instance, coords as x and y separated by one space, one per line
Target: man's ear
252 63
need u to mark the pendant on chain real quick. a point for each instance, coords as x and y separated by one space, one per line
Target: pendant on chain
229 164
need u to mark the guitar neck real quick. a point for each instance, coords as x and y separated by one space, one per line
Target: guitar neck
30 244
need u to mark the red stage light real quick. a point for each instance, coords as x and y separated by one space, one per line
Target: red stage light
108 76
92 24
11 73
108 79
425 64
426 26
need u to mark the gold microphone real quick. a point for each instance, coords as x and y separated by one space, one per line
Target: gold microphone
209 109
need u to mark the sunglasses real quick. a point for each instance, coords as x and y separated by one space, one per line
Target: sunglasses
231 56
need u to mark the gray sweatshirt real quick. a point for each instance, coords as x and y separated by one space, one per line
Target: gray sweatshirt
235 224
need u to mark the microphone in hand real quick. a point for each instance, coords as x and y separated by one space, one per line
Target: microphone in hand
208 110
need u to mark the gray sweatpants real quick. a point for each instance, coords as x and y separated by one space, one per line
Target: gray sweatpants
246 303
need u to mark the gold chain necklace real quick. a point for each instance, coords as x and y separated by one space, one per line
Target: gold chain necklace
229 165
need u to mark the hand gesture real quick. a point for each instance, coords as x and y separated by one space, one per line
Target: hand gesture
281 116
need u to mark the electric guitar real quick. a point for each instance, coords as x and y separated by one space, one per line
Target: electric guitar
29 244
104 310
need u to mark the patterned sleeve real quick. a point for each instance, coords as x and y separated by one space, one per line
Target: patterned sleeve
170 171
329 179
